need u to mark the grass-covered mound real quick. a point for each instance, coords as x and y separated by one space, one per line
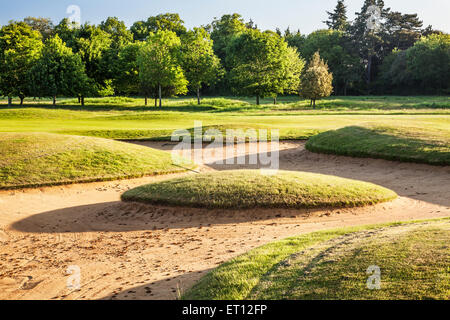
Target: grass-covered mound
410 144
40 159
413 258
243 189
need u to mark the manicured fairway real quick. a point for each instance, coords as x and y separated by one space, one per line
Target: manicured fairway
127 118
39 159
413 260
244 189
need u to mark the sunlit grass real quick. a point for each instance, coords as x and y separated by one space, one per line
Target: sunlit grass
413 258
40 159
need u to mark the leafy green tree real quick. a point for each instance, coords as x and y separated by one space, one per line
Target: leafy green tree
160 69
260 63
58 72
92 44
335 50
200 64
316 82
43 25
394 75
20 47
429 62
295 40
162 22
126 69
68 32
223 30
120 37
337 20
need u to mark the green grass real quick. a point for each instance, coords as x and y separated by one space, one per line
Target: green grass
413 144
128 118
243 189
41 159
413 258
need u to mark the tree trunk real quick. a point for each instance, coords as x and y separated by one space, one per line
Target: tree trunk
79 99
275 100
369 73
54 100
160 96
9 101
257 100
82 101
146 103
314 103
310 103
156 102
21 100
198 96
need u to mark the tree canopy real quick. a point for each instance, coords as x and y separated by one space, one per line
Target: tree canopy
200 64
262 64
160 66
316 82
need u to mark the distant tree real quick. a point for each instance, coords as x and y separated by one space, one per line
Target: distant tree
429 62
92 44
126 69
336 51
160 69
295 40
262 64
68 32
368 38
58 72
401 31
316 81
429 30
43 25
200 64
162 22
291 70
395 77
20 47
337 20
120 35
223 30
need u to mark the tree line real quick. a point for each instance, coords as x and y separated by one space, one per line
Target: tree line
159 57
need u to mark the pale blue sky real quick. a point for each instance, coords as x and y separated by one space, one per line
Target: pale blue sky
306 15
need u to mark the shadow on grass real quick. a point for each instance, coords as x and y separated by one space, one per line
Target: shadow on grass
361 142
94 108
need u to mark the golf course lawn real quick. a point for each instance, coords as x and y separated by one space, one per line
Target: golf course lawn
413 129
413 260
41 159
244 189
127 118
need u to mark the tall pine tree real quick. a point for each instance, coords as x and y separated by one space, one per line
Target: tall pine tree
337 20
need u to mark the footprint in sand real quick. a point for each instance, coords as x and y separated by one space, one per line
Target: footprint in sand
28 284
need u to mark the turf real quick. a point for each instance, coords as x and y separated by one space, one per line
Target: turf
243 189
412 144
128 118
413 258
41 159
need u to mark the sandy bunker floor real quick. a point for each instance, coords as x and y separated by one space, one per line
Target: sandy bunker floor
132 251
